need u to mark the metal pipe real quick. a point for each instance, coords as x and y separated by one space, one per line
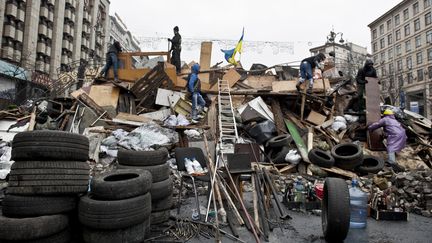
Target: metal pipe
283 213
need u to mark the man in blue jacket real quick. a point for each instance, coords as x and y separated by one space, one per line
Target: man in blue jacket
306 67
194 87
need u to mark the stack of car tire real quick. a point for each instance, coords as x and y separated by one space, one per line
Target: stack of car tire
118 208
162 184
279 147
49 173
347 156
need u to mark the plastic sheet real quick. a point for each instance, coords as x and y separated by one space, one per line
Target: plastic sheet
293 157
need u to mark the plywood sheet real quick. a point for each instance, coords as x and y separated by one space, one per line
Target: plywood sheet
284 86
316 118
373 114
260 82
232 76
205 60
167 97
105 95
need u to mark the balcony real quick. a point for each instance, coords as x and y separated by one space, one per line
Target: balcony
17 56
21 15
48 50
43 30
66 28
68 14
9 31
65 44
19 35
51 16
47 67
44 12
49 33
7 52
11 10
41 48
64 59
40 66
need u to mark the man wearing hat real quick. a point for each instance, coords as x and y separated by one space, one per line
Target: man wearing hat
176 49
395 134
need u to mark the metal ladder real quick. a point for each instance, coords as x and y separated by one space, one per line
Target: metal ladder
228 134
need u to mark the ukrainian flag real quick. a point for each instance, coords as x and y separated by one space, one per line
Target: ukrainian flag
230 54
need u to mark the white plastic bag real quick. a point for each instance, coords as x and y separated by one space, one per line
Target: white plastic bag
338 126
293 157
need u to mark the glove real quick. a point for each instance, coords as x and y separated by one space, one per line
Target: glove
169 39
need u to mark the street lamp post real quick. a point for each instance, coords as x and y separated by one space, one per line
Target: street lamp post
331 39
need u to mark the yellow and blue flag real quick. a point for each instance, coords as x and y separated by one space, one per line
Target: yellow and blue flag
230 54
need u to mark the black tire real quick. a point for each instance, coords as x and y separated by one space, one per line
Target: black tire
162 189
61 237
143 158
31 228
279 157
116 214
321 158
50 145
32 206
279 141
162 204
39 167
121 184
335 210
159 217
159 172
347 155
371 164
45 177
133 234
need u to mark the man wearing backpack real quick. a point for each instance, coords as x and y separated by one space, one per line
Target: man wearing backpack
194 88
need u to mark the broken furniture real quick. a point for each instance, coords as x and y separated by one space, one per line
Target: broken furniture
183 153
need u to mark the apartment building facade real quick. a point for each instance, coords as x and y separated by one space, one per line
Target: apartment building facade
402 51
119 32
45 36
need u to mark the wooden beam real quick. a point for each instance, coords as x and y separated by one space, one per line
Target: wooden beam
205 60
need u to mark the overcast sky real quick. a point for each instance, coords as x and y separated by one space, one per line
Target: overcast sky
302 24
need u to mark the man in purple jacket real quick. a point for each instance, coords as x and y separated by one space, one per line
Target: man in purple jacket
395 134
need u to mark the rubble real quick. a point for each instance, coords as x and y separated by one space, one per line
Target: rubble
278 124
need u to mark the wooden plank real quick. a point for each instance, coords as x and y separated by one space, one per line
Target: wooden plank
310 139
316 118
373 114
284 86
105 95
232 76
131 117
288 168
298 140
205 60
260 82
278 117
341 172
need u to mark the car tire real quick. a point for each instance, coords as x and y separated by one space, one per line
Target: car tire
335 210
321 158
143 158
121 184
347 155
371 164
158 172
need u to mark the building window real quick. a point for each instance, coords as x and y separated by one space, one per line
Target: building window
417 25
428 18
398 50
397 20
390 39
419 58
420 75
418 41
375 47
399 65
408 46
429 36
429 51
406 14
381 29
409 62
382 43
383 71
407 30
389 24
410 78
400 79
427 3
398 35
430 72
383 56
374 34
390 53
391 68
416 8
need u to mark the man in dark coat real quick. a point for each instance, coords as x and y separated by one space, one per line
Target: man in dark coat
368 70
176 49
306 67
112 60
